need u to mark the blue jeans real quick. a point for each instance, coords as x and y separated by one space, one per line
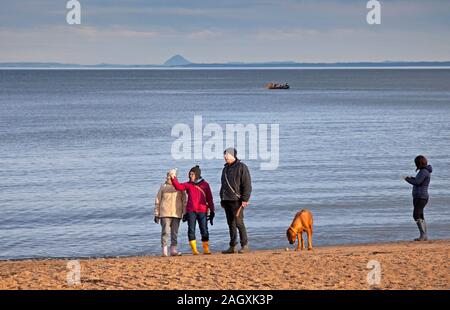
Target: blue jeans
192 218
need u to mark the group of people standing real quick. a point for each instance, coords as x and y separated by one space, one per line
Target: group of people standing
192 202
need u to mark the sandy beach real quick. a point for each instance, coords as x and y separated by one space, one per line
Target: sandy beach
404 265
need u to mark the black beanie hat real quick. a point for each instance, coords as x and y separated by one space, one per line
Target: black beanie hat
232 151
197 171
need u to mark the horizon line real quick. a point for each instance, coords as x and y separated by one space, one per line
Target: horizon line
234 64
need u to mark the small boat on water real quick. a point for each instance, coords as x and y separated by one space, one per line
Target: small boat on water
277 86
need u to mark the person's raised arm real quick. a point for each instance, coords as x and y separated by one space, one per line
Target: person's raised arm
178 186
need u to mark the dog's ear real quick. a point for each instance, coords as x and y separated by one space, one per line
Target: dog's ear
288 234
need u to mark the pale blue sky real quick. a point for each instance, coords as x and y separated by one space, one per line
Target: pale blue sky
149 32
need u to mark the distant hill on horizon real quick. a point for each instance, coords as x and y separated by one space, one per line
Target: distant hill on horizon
178 61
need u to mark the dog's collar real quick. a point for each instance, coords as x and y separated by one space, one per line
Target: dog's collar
291 228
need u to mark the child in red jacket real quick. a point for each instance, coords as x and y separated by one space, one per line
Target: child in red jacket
200 199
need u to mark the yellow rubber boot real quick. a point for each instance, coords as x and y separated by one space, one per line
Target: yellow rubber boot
205 245
193 244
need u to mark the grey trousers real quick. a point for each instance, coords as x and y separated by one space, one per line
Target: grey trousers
169 226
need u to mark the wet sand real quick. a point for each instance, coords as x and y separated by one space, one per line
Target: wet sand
404 265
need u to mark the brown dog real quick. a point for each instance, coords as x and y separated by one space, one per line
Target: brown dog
303 221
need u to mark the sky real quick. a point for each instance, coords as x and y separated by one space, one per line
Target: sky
212 31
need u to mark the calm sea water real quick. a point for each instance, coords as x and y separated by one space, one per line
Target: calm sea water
83 152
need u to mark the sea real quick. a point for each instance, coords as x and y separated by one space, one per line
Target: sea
84 152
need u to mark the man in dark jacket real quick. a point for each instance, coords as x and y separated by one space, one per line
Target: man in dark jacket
234 195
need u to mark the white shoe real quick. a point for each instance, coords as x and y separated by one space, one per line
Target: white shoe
173 251
165 251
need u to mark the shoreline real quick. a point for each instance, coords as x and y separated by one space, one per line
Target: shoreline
188 253
403 265
87 68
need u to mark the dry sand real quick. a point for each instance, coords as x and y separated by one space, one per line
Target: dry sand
404 265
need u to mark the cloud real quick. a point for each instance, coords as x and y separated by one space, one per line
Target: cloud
205 35
115 31
215 31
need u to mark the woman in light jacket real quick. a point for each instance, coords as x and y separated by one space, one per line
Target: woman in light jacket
170 206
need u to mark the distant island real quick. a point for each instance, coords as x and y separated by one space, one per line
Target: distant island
179 61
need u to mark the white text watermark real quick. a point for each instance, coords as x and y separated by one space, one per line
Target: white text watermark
73 273
210 140
374 15
73 16
374 275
